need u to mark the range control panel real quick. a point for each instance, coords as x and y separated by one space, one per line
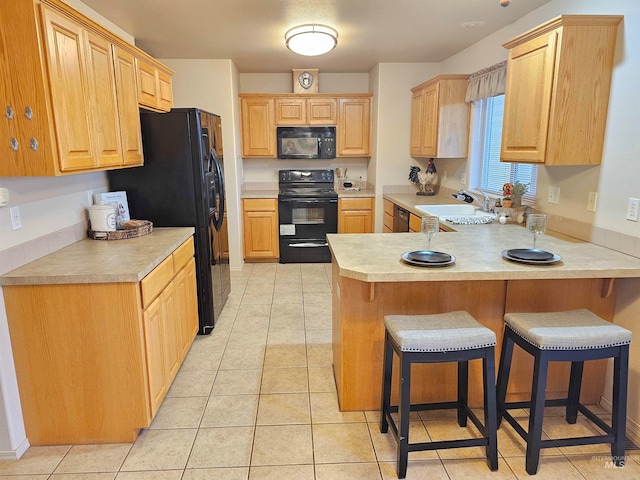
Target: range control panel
312 176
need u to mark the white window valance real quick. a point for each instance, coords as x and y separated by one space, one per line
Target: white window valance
488 82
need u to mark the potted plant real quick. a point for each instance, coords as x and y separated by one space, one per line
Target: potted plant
507 192
518 189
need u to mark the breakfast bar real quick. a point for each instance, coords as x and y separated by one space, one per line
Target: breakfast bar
370 280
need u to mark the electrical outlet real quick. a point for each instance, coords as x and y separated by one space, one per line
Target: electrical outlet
463 179
4 197
90 197
591 202
16 218
632 209
554 195
444 177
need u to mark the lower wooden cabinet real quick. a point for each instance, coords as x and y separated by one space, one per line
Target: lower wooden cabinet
355 215
95 360
387 221
260 222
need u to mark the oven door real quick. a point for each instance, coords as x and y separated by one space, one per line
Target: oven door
304 224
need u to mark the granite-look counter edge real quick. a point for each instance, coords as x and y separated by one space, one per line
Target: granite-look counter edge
101 261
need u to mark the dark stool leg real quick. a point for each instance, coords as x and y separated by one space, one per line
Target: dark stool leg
504 369
490 410
536 414
387 368
404 412
463 392
573 398
619 413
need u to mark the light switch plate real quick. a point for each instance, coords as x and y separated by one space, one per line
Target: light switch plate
16 218
591 202
632 209
4 197
554 195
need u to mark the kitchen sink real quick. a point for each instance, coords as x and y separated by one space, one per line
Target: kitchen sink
465 214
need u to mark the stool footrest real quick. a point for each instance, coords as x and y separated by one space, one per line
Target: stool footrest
467 442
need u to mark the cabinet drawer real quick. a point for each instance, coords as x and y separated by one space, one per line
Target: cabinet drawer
388 221
182 255
259 205
388 207
152 284
356 203
414 223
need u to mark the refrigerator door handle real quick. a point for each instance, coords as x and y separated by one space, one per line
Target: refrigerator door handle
219 187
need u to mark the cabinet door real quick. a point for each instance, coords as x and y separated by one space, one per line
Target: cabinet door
147 85
415 148
291 111
165 92
354 127
187 306
429 134
104 99
153 336
171 342
355 215
258 128
71 104
528 100
126 86
321 111
260 221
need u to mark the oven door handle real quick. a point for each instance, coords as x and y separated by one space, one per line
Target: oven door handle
298 200
308 245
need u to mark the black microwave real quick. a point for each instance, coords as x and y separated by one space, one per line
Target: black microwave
306 142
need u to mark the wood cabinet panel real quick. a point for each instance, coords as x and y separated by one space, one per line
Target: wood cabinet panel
155 91
183 254
260 222
354 127
321 111
129 115
291 111
154 283
414 223
355 215
440 118
258 127
557 91
97 373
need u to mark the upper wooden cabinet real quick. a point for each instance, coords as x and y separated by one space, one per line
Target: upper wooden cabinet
261 113
305 111
70 94
155 91
440 118
354 127
557 92
258 127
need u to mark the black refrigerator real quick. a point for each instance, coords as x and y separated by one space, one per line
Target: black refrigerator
182 185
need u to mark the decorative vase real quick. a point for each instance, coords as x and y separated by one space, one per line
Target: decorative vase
517 202
507 203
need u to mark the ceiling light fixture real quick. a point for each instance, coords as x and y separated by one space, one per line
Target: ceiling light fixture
311 40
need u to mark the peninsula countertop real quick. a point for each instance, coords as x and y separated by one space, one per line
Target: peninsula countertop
478 251
101 261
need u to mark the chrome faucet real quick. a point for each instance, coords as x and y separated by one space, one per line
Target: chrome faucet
484 202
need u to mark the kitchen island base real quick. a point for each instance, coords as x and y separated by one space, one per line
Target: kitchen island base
358 333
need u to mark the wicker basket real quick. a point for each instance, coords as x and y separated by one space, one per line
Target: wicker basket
122 234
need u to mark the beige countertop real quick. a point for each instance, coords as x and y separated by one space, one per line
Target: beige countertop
101 261
478 251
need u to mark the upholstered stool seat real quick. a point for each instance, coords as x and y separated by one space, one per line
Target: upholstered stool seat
448 337
572 336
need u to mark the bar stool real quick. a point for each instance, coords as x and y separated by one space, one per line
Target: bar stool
572 336
448 337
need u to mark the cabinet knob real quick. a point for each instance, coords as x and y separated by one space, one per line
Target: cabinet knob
9 112
28 113
33 143
14 144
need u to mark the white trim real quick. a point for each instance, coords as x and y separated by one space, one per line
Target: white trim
15 454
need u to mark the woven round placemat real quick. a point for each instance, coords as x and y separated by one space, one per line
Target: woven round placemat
122 234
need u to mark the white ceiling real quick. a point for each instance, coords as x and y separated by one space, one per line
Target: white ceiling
251 32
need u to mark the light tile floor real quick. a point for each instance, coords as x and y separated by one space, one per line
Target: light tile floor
256 400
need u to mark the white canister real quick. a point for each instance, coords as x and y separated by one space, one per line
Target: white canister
102 217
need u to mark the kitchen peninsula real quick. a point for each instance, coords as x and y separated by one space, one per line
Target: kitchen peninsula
98 330
370 281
